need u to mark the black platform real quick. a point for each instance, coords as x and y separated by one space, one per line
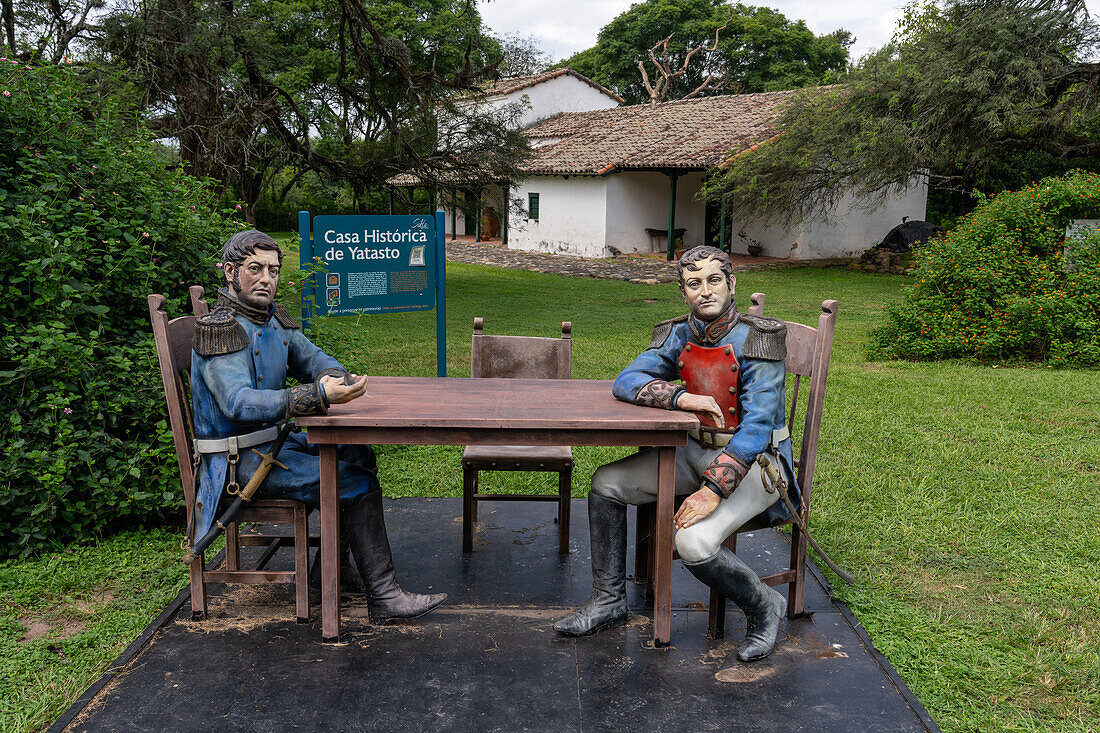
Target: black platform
489 660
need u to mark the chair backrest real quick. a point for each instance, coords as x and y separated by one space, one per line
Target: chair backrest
520 357
808 353
198 304
173 340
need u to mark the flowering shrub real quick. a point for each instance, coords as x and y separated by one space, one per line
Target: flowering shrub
1005 284
92 219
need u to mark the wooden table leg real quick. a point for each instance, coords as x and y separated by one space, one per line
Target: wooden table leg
662 570
330 544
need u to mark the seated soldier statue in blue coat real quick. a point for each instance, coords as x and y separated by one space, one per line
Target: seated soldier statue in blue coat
242 353
732 368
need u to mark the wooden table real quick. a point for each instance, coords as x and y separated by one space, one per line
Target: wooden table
448 411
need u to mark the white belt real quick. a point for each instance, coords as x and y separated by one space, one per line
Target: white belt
234 443
712 439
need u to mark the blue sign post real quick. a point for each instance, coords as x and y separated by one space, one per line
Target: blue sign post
376 264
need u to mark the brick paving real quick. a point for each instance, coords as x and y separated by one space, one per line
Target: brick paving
648 269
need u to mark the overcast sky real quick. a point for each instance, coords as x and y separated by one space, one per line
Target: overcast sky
563 27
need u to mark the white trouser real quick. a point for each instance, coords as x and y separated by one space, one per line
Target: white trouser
633 480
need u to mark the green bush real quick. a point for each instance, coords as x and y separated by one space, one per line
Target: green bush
1005 284
92 220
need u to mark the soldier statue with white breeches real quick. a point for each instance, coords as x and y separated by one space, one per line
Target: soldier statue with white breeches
732 369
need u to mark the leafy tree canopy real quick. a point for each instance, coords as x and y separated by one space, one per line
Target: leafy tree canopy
248 87
971 93
758 49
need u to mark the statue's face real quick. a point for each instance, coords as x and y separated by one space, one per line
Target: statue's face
257 279
707 291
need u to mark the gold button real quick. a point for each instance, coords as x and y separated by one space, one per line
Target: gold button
260 378
680 364
284 343
688 347
732 410
733 390
256 352
729 350
733 367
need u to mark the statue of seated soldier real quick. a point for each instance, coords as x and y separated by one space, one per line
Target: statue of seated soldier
242 353
732 368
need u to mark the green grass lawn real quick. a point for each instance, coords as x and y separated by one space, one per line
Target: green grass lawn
963 498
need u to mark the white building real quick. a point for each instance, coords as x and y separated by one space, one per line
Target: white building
607 179
547 94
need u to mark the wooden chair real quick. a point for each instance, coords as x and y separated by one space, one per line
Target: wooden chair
518 357
808 353
173 340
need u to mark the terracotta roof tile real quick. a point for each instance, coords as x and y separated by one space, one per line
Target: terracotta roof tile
692 134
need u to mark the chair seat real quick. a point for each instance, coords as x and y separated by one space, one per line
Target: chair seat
517 457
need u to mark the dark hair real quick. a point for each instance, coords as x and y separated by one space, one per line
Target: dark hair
238 247
695 254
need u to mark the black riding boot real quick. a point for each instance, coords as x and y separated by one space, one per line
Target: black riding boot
763 605
350 580
606 609
365 528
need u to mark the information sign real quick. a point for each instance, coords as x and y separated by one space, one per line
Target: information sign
375 264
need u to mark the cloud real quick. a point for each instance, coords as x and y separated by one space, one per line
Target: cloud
563 27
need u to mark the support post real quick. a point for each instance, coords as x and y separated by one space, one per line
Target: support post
671 215
305 257
440 297
505 189
454 213
391 201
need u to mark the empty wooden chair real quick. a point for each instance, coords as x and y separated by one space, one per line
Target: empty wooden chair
808 353
173 341
518 357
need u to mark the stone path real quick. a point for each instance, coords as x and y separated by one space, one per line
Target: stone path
647 269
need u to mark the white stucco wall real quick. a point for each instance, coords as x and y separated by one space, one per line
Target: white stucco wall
571 216
855 228
561 94
847 232
639 199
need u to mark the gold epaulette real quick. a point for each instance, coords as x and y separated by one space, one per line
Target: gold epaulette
218 333
767 338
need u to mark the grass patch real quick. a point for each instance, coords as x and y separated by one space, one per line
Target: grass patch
65 617
962 496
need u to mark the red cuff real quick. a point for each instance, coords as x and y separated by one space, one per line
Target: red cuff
724 474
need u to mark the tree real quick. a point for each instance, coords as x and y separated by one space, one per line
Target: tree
521 56
758 49
966 90
92 220
245 86
47 30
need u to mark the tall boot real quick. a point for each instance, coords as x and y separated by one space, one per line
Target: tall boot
365 528
606 609
763 605
350 580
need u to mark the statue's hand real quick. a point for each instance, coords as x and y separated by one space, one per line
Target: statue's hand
705 404
338 393
696 508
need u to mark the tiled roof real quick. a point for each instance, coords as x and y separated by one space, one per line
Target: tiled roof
512 84
692 134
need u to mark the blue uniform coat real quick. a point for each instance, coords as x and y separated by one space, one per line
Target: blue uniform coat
245 391
760 400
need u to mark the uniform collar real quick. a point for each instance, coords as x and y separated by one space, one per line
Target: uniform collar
707 333
259 316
